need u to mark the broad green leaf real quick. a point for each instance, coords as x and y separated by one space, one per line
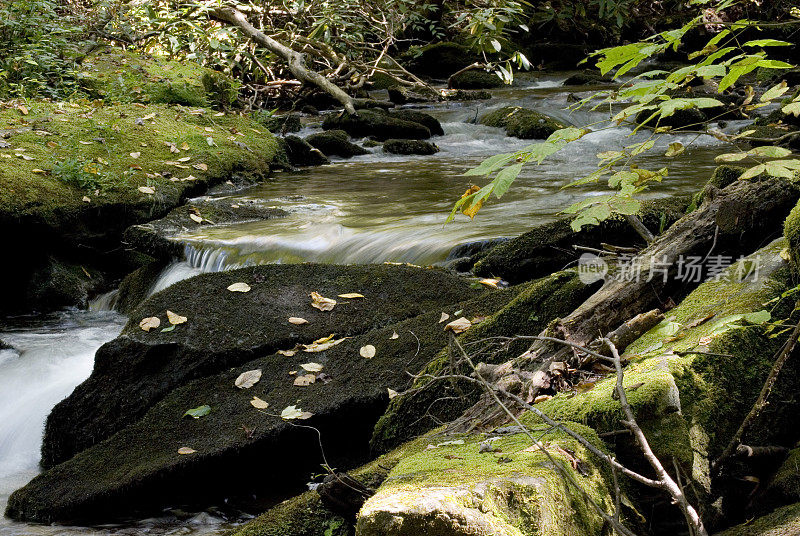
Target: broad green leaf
491 164
504 179
766 43
777 170
610 155
754 171
675 149
591 216
733 75
731 157
626 205
568 134
774 64
793 108
774 92
769 151
711 71
639 148
200 411
622 177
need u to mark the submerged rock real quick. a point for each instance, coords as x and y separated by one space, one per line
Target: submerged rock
475 79
587 78
521 122
301 153
377 124
408 147
335 143
404 95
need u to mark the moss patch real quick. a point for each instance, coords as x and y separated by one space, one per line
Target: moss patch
782 522
521 122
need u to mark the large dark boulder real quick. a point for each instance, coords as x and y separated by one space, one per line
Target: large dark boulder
301 153
335 143
408 147
128 417
521 122
422 118
376 124
475 79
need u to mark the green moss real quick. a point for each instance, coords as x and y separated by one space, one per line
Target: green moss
515 489
791 230
476 79
521 122
785 485
126 146
408 147
782 522
116 75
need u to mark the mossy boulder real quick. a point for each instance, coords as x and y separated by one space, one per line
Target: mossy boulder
475 79
74 177
301 153
784 488
143 383
377 124
335 143
438 60
405 95
466 95
432 402
455 488
550 247
791 230
415 116
521 122
279 123
120 76
408 147
784 521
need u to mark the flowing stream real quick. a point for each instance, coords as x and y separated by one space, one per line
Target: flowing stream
372 208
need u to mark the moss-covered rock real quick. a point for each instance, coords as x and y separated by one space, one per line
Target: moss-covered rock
433 402
466 95
456 488
120 76
279 123
782 522
784 488
378 125
791 230
475 79
73 177
301 153
521 122
438 60
549 247
335 143
408 147
135 287
143 383
415 116
587 78
405 95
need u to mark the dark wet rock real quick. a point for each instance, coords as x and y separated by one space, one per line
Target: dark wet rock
379 125
143 383
155 238
370 104
521 122
556 56
404 95
335 143
59 282
309 110
464 256
587 78
430 122
135 287
369 144
279 124
301 153
465 95
5 346
409 147
550 247
784 521
439 60
475 79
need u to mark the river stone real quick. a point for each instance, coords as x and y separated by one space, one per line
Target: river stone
784 521
335 143
475 79
301 153
587 78
521 122
422 118
408 147
143 383
378 125
405 95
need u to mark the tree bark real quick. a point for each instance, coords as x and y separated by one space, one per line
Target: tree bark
295 60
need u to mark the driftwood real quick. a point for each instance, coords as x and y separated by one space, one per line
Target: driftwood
732 221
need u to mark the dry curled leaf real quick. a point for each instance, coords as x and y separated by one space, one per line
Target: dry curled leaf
201 167
394 336
297 321
305 380
246 380
239 287
287 353
258 403
367 352
136 154
318 346
392 393
146 190
312 367
186 450
351 296
458 326
444 317
175 319
322 303
151 322
492 283
293 412
194 217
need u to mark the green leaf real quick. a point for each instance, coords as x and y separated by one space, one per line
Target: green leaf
731 157
568 134
639 148
675 149
776 170
769 151
625 205
504 179
171 328
491 164
793 108
766 43
774 64
754 171
200 411
774 92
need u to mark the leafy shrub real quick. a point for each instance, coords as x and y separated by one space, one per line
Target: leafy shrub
79 174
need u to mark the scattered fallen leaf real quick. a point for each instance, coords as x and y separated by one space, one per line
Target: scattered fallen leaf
168 329
149 116
444 317
246 380
186 450
705 341
258 403
317 346
136 155
458 326
702 320
490 283
201 167
367 352
199 411
210 141
293 412
541 398
151 322
22 109
351 295
24 156
146 190
87 199
394 336
320 302
185 146
287 353
175 319
305 380
239 287
297 321
312 367
209 129
37 170
84 142
196 218
184 159
392 393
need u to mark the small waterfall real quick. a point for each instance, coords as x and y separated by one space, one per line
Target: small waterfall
105 302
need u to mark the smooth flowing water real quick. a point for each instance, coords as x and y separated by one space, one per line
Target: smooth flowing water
373 208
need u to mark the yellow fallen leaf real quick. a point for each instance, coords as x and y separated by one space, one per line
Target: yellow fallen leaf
444 317
22 109
239 287
458 326
84 142
151 322
311 367
367 352
209 129
258 403
195 217
305 380
392 393
293 412
175 319
86 199
136 155
394 336
37 170
185 146
186 450
146 190
287 353
351 295
52 144
472 209
321 346
184 159
201 167
246 380
149 116
297 321
490 283
320 302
